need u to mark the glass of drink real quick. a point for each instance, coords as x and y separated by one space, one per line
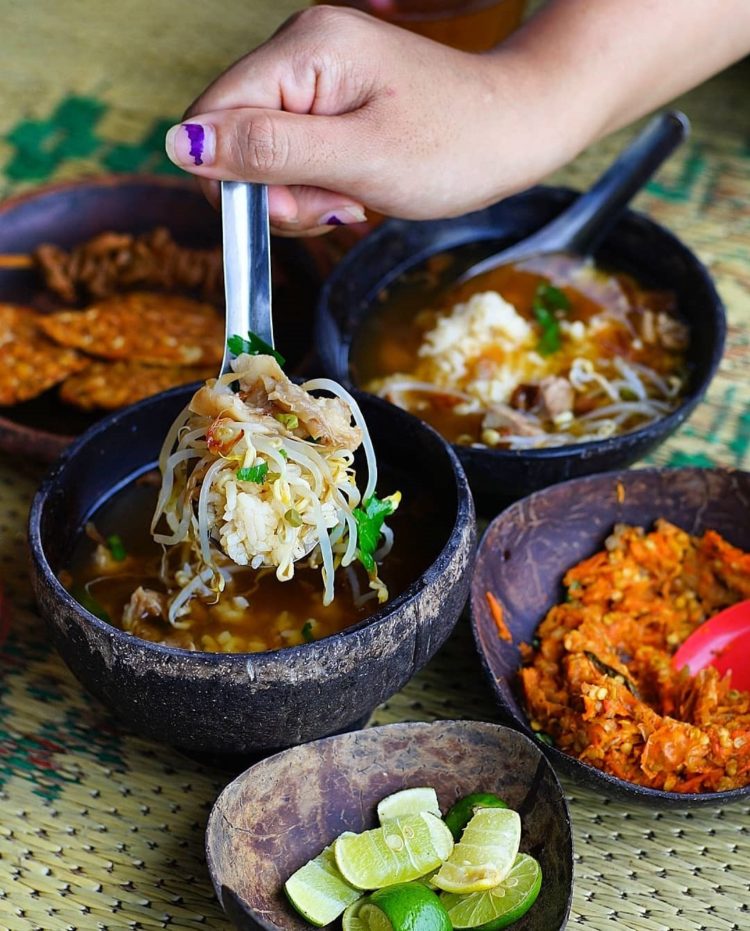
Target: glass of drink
471 25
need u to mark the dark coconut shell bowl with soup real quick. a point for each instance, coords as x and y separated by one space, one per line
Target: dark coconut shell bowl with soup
251 702
404 268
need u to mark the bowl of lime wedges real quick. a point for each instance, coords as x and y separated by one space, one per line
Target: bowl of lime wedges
456 824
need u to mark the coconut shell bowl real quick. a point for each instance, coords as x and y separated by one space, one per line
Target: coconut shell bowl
653 255
284 810
221 703
527 550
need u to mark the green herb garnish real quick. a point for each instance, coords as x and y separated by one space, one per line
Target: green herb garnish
253 346
553 297
87 601
370 520
549 302
116 547
256 473
290 421
545 738
293 518
307 632
284 454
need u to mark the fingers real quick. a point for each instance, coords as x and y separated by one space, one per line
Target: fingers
301 211
316 209
296 69
211 192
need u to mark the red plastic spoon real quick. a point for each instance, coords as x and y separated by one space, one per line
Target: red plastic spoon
724 642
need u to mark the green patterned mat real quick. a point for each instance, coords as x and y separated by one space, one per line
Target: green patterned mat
102 830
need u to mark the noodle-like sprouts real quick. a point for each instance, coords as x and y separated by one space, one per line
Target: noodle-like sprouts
263 476
326 384
526 365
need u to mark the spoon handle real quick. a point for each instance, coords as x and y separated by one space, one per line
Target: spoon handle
581 228
247 262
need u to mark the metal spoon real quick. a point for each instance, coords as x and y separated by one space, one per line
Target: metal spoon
580 228
247 269
247 263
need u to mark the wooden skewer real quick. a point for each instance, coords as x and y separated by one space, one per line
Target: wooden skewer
18 260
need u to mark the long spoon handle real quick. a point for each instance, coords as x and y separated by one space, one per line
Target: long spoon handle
591 217
247 262
581 227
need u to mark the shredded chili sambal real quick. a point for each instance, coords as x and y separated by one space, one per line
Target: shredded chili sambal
599 678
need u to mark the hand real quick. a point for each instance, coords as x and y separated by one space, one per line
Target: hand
339 111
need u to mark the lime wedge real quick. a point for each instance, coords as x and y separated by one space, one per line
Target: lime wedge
426 880
350 920
318 891
403 849
409 802
404 907
485 853
499 907
465 809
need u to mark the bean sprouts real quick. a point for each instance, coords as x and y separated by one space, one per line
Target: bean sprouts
264 477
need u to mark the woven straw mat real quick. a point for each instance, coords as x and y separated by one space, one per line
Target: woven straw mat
102 830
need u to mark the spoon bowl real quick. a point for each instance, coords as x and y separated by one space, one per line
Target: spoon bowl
724 642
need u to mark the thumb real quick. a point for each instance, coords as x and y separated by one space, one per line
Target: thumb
270 147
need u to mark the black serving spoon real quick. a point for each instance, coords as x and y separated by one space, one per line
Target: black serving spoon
580 228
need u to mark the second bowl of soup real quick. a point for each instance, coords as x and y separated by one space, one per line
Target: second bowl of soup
537 372
270 664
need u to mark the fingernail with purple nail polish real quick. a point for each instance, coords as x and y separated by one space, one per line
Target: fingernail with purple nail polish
343 215
191 144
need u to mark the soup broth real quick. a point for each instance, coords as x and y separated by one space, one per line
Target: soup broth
548 352
256 611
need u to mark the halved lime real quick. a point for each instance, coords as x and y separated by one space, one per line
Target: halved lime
350 920
318 891
465 808
404 907
403 849
499 907
485 853
409 802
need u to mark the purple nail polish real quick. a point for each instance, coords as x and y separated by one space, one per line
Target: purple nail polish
196 135
341 216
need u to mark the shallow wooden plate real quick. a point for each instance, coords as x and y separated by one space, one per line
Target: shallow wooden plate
284 810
